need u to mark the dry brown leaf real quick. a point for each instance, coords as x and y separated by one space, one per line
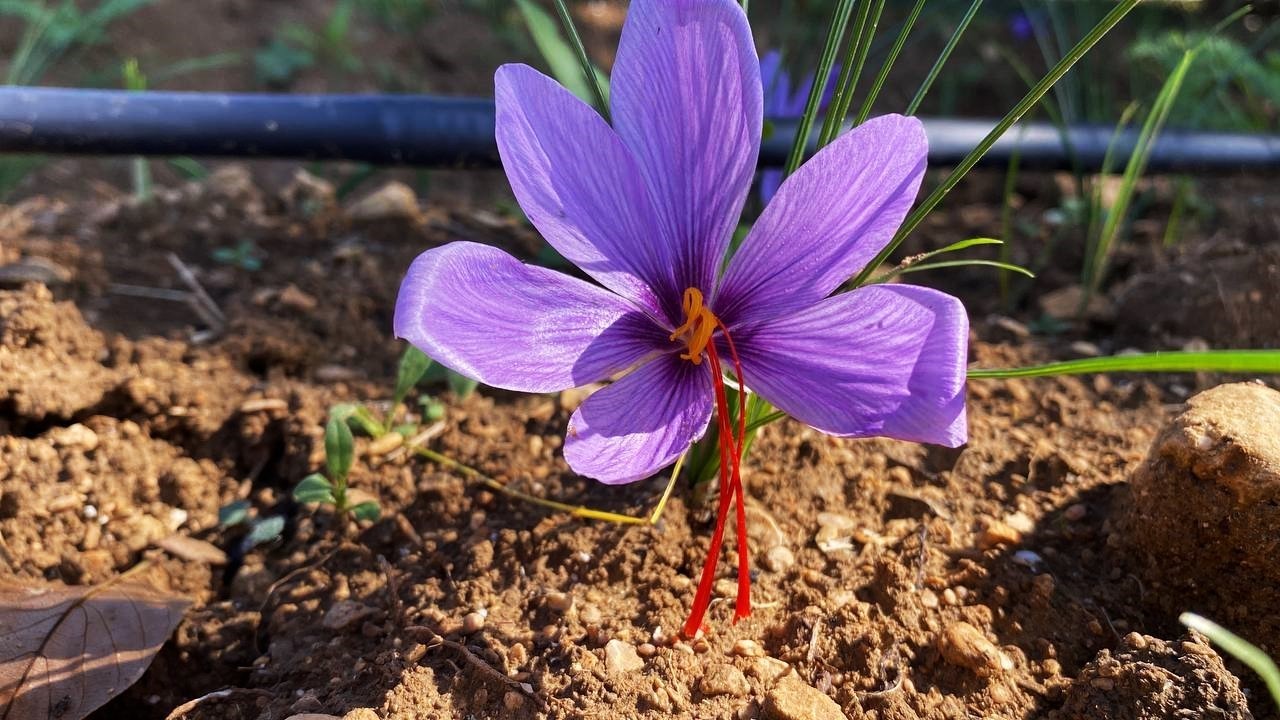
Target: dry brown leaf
65 650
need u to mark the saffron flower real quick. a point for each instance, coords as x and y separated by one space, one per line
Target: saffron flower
646 208
781 101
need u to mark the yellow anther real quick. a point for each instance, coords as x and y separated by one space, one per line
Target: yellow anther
699 324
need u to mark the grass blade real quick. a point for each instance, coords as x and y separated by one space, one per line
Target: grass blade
1239 648
1265 362
1006 219
839 19
950 47
588 70
1133 172
1029 101
865 111
1008 267
856 57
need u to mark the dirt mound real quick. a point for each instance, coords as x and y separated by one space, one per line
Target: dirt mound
1149 679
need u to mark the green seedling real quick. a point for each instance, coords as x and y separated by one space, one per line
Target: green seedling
1239 648
244 255
261 530
413 367
297 48
330 487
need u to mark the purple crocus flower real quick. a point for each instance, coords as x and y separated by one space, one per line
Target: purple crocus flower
781 102
646 208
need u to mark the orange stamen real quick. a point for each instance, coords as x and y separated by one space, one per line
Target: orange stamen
700 324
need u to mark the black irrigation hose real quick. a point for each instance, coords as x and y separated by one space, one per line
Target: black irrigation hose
458 132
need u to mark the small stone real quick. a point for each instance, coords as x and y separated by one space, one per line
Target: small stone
295 299
361 714
345 613
256 405
312 716
767 669
996 534
646 650
928 598
837 521
794 699
1021 522
724 680
559 602
472 622
1075 513
748 648
77 436
384 444
393 201
192 550
1103 683
512 701
964 645
621 657
590 615
949 597
779 558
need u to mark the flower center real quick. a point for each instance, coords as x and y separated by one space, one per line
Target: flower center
699 324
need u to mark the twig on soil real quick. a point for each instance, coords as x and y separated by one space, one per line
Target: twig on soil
183 710
393 589
813 641
216 319
435 639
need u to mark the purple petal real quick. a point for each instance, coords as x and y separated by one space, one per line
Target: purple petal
827 221
776 83
882 360
582 189
770 180
686 100
640 424
481 312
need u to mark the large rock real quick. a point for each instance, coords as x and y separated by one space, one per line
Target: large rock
1202 518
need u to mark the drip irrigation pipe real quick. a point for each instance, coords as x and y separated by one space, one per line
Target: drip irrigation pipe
436 131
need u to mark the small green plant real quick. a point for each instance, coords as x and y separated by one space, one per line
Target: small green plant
135 81
1239 648
330 488
296 48
262 530
244 255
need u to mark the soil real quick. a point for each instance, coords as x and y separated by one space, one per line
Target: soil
897 580
892 580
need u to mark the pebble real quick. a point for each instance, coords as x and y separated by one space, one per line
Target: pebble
393 201
560 602
767 669
779 559
385 444
724 680
748 648
345 613
1075 513
793 699
836 520
646 650
77 436
964 645
472 622
997 533
512 701
361 714
256 405
590 615
621 657
191 549
296 299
